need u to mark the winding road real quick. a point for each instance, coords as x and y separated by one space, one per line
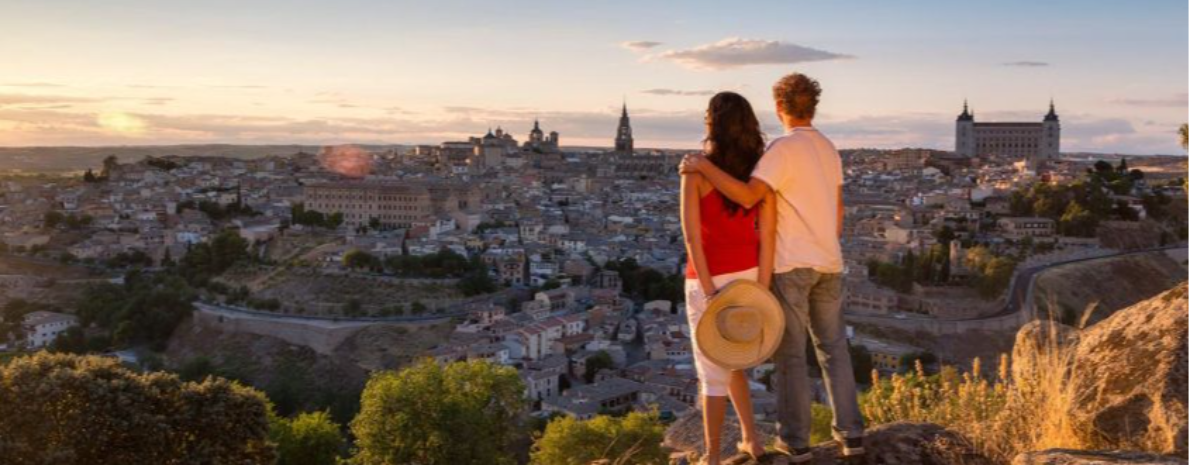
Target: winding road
1020 291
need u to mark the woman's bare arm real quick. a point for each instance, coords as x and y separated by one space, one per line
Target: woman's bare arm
747 194
692 230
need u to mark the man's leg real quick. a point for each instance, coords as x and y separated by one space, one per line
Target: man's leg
791 379
829 335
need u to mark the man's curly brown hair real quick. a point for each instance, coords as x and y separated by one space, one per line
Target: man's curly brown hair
798 95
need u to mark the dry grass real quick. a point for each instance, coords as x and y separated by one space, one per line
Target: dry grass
1003 415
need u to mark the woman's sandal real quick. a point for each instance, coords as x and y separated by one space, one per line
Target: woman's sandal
742 447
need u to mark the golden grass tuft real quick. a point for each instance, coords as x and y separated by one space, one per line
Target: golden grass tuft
1011 412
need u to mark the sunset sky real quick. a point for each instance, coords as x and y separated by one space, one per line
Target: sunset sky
895 74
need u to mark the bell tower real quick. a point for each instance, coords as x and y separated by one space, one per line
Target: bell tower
624 132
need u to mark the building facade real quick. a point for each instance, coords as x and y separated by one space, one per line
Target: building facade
42 328
396 204
541 143
1025 140
1017 228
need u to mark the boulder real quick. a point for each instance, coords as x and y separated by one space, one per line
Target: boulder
1082 457
1128 376
889 444
685 435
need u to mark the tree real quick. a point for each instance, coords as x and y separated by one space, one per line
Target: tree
600 361
52 219
996 277
144 311
1184 134
861 362
62 408
89 176
361 260
1077 221
110 163
477 282
71 341
463 412
633 439
208 259
310 438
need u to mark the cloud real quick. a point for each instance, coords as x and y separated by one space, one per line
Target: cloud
1174 101
157 100
233 86
639 45
31 84
736 52
1026 64
684 93
7 100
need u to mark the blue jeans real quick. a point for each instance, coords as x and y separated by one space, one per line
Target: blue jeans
813 304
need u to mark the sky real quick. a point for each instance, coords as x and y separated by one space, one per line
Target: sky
894 74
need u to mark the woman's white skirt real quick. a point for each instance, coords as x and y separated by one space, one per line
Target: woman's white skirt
712 379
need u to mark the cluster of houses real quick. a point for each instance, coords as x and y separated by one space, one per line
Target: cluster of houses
550 220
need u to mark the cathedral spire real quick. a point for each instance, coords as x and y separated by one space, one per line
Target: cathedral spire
624 131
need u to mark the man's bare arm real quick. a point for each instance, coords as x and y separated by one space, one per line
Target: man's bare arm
746 194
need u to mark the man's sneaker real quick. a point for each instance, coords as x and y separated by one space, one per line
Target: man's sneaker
852 446
796 455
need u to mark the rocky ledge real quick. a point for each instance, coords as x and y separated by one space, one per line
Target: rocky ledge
1083 457
1128 375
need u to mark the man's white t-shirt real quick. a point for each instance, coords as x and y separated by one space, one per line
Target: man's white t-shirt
805 171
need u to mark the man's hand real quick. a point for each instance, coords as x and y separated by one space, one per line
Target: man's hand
692 163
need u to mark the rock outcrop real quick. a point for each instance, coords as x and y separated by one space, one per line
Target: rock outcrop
1129 378
685 435
893 443
1082 457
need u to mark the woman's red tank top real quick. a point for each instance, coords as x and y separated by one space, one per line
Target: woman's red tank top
730 242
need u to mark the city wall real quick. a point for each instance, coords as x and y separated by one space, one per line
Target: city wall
321 339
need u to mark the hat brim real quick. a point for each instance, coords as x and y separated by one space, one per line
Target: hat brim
741 355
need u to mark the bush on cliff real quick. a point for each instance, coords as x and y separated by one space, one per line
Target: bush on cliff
463 412
68 409
310 438
633 439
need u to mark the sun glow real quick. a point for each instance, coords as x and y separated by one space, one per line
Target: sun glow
121 123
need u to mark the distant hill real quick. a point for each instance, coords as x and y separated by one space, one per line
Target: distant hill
64 159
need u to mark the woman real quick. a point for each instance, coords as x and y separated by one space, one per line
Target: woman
723 244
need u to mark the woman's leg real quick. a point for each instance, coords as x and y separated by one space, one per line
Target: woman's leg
714 409
741 398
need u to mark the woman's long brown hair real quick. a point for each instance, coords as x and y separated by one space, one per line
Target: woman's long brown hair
734 142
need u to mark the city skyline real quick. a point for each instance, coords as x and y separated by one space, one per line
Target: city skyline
138 73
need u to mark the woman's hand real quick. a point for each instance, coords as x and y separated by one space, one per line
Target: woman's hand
691 163
709 290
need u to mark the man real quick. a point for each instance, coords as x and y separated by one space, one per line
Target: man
805 172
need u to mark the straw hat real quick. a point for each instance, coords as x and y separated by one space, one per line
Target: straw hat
741 327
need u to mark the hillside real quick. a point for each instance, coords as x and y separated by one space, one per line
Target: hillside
297 377
64 159
1110 284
